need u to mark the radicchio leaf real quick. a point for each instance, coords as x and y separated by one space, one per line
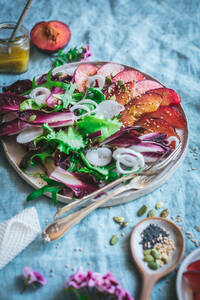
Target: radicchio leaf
54 119
18 87
81 184
10 101
25 161
123 138
12 127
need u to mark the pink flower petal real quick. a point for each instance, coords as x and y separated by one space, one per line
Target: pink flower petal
40 278
28 272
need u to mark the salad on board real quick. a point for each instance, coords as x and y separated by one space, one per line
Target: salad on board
89 125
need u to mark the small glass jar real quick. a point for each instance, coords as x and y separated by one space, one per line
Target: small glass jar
14 55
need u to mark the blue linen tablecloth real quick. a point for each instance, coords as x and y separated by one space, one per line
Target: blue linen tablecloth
161 38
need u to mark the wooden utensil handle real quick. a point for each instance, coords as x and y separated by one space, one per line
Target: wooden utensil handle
58 228
147 285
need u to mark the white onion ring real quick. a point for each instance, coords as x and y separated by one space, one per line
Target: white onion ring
29 134
43 95
99 157
121 157
110 108
120 161
80 106
92 79
64 69
174 139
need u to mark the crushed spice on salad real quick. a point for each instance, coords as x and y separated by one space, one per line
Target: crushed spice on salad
85 130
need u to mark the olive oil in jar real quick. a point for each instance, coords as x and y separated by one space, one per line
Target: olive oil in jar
14 55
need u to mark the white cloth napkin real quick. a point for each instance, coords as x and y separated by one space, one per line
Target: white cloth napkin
17 233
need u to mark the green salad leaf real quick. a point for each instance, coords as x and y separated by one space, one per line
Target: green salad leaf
66 140
101 170
90 124
95 94
30 104
66 98
54 190
41 156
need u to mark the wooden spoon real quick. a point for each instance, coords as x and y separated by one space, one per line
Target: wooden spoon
150 277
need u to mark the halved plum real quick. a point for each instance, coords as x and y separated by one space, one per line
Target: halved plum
195 265
169 114
197 296
194 279
170 97
123 93
81 75
128 75
50 36
143 86
110 69
158 125
139 106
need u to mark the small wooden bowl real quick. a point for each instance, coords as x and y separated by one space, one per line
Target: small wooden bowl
150 277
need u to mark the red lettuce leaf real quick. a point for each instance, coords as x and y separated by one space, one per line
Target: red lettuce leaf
12 127
19 86
10 101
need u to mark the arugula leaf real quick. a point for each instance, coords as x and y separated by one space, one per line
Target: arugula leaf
101 170
91 124
34 85
92 172
29 104
42 156
95 94
66 98
45 189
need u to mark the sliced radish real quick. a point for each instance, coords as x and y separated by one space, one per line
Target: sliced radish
64 69
110 108
146 85
40 95
92 81
99 157
110 69
129 75
29 134
81 75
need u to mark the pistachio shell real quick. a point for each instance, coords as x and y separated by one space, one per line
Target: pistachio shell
148 258
159 205
114 239
142 210
155 253
153 265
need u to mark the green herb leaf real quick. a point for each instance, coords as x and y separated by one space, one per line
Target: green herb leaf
45 189
42 156
95 94
91 124
101 170
30 104
34 85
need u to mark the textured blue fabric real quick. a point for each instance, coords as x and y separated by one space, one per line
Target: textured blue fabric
161 38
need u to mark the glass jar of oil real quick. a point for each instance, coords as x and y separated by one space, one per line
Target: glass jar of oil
14 55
